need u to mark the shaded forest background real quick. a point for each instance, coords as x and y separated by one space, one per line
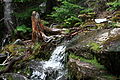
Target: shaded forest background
63 13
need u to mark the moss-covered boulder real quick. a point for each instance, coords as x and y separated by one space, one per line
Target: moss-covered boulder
83 69
79 70
103 44
13 76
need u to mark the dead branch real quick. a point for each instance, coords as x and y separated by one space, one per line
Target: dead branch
11 63
1 19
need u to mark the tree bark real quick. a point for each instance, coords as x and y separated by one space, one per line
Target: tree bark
8 17
39 31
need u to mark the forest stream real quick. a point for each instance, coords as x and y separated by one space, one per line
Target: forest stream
53 69
59 39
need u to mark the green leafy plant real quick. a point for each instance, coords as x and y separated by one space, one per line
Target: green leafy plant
113 5
23 29
72 21
114 24
95 46
87 10
68 12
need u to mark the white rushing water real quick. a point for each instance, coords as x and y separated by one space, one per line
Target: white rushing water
56 58
54 67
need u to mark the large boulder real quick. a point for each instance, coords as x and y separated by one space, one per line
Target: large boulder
13 76
79 70
104 44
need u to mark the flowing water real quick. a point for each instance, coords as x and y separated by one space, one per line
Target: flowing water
53 69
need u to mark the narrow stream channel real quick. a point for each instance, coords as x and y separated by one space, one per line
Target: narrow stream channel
53 69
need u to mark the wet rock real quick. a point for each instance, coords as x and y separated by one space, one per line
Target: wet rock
79 70
104 44
13 76
51 73
82 51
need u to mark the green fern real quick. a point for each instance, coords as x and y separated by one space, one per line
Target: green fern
23 29
113 5
68 12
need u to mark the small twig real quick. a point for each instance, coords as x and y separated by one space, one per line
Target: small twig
1 19
4 64
11 63
6 59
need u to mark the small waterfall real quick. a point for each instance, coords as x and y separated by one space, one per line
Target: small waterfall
53 69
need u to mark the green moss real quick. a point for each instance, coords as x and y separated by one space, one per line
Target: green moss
9 77
25 71
95 46
23 28
113 5
15 49
2 67
92 61
36 48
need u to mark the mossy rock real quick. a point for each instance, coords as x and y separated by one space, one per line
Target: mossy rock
97 71
104 44
79 70
13 76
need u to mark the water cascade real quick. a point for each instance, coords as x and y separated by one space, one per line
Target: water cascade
53 69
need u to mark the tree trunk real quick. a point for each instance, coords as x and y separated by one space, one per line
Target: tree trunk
8 17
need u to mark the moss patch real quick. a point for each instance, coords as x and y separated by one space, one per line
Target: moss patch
2 67
92 61
95 46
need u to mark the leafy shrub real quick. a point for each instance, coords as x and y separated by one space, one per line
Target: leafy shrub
65 11
72 20
23 28
68 13
113 5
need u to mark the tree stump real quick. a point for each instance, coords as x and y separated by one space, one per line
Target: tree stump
39 31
